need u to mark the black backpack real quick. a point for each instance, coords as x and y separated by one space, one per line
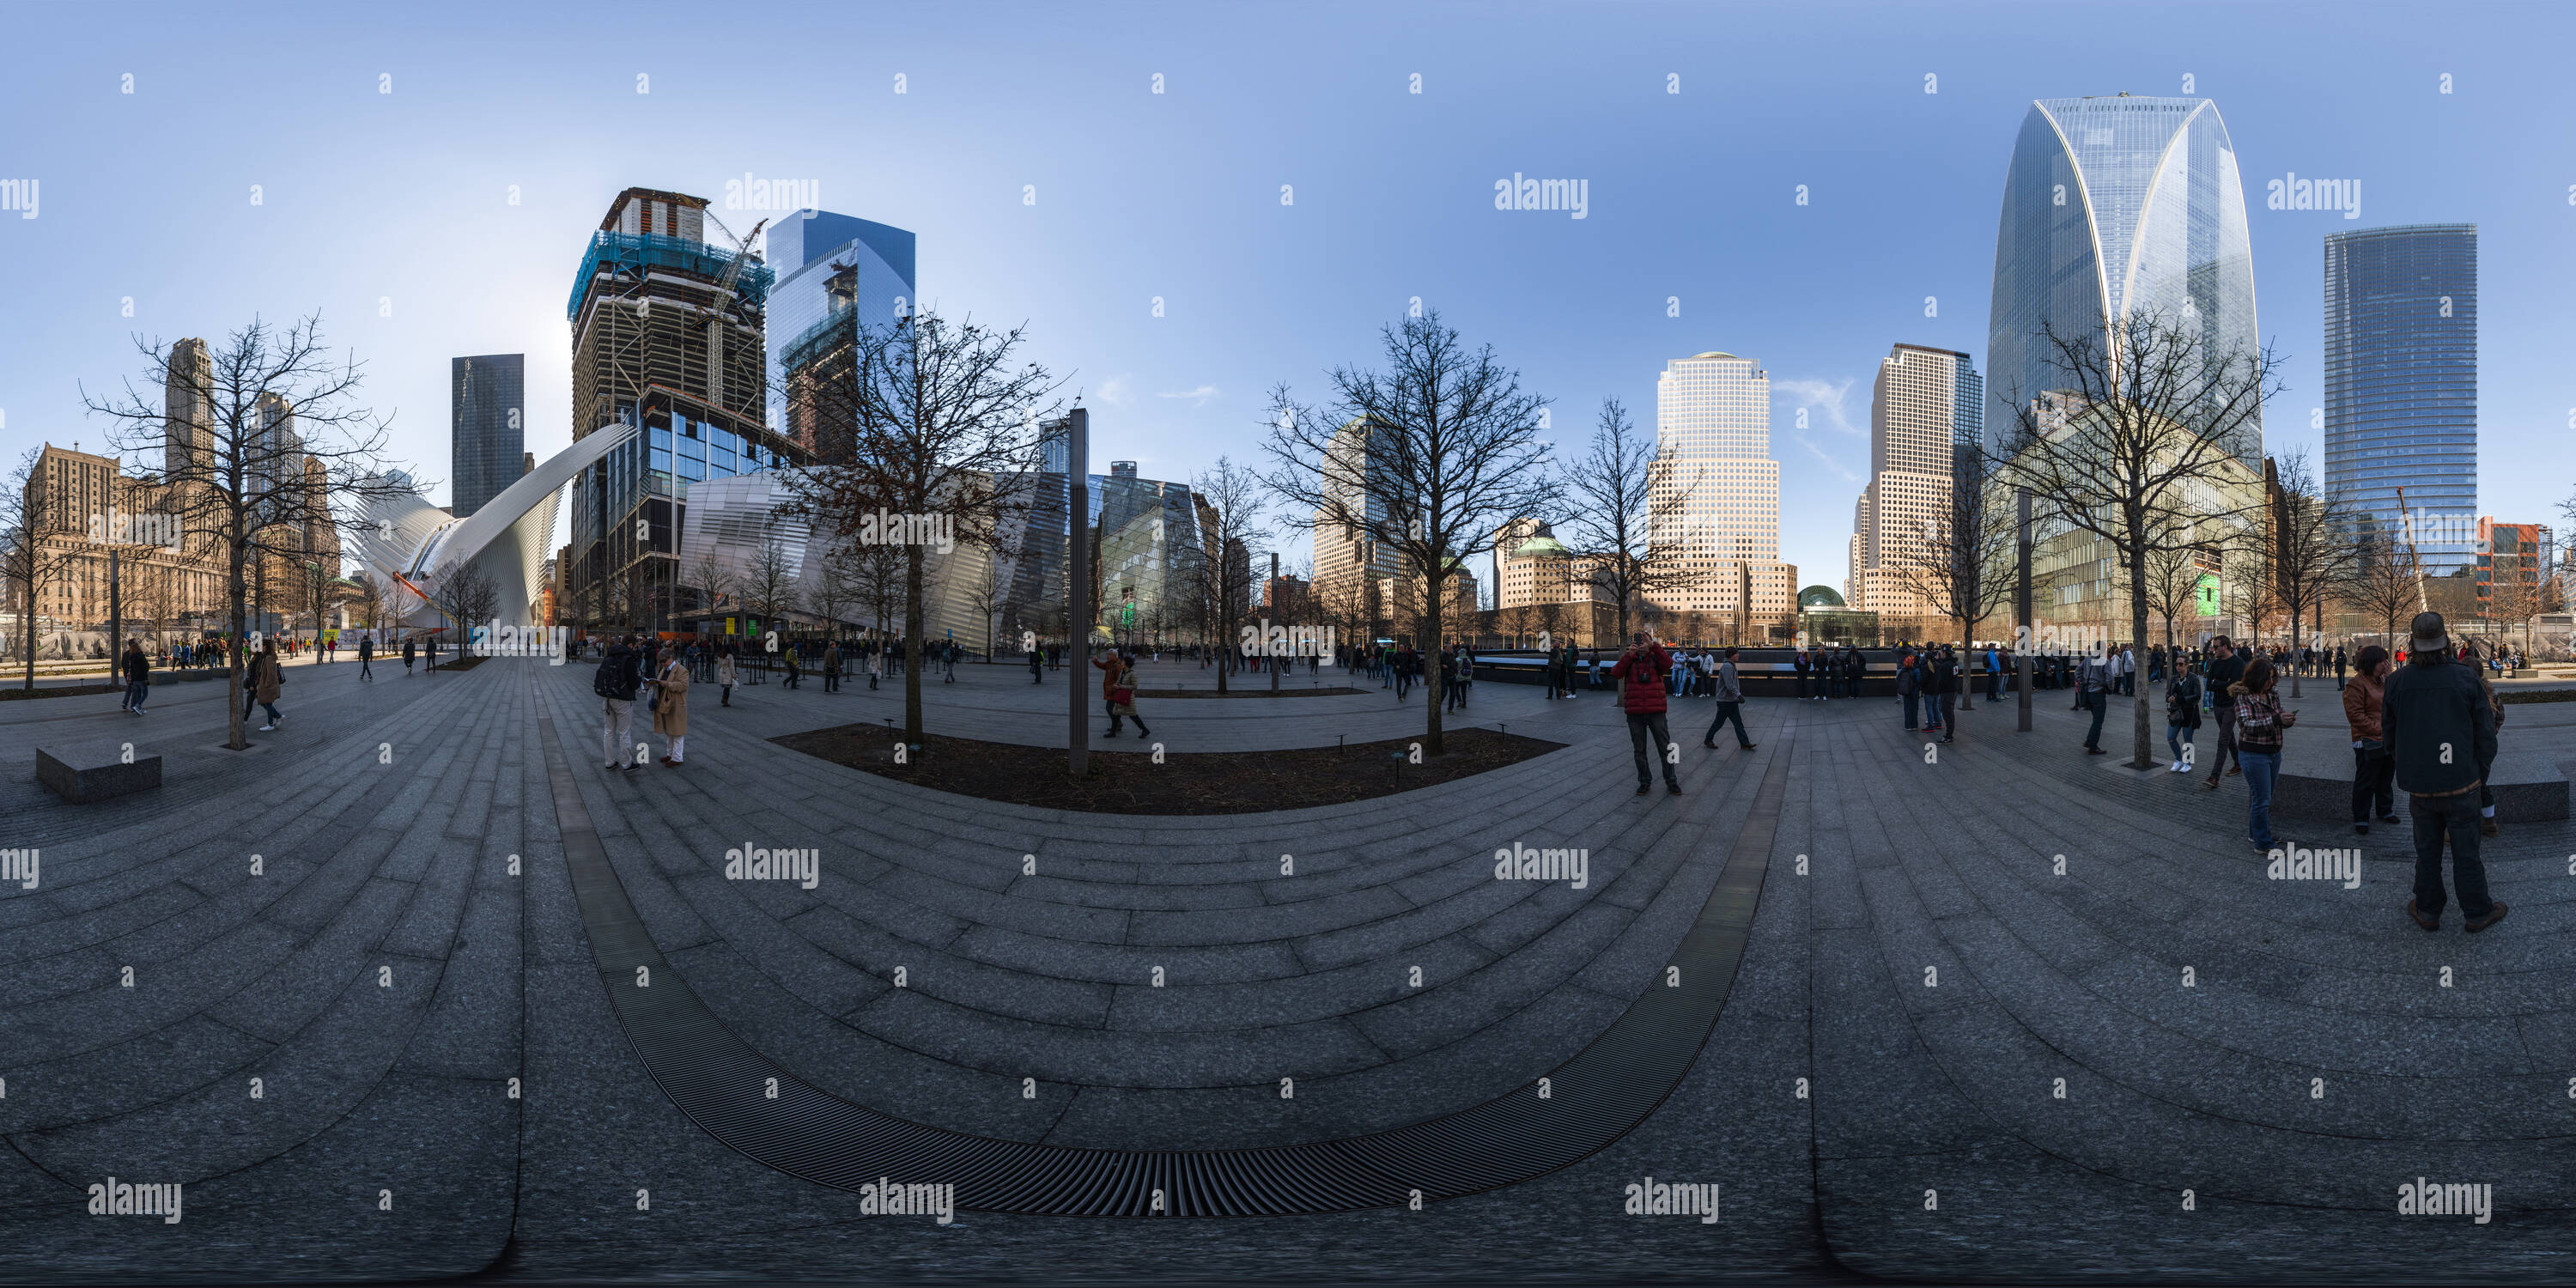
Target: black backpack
609 680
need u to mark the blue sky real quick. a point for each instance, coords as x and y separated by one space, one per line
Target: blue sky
403 197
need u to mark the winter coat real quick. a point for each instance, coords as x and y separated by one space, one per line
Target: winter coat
671 705
724 671
1120 686
832 660
2252 707
1108 676
1642 675
2182 701
2362 701
264 677
2439 726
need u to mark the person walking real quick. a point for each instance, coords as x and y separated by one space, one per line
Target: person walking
1120 686
1640 676
137 669
2260 724
1403 672
620 674
2224 670
367 657
1729 692
725 676
795 668
2093 693
2182 717
671 711
1994 674
948 663
832 667
1453 691
1037 667
2431 711
2373 769
262 685
409 644
430 656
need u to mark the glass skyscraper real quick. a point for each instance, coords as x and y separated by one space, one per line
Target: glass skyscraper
833 270
2401 373
2115 205
487 442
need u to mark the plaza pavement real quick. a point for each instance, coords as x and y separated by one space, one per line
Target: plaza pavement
400 1081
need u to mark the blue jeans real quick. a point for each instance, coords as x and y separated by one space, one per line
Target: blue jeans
2261 769
134 691
2438 818
1913 708
1936 709
2177 737
2100 703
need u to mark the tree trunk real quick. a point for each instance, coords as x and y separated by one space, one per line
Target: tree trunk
1430 626
235 720
916 652
2295 615
2143 757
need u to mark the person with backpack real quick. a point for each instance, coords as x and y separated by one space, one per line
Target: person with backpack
1640 677
430 662
367 656
2440 730
409 646
1943 684
2093 693
2260 724
2182 717
1909 689
2373 770
620 674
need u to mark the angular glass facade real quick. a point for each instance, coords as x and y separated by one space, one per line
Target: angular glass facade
806 249
487 433
2401 375
2115 205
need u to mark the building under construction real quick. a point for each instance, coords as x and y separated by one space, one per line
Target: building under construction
666 336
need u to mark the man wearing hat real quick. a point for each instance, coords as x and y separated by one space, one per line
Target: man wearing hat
2440 730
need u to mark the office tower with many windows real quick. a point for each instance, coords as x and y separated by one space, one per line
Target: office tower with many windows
2116 206
2401 377
1925 420
487 427
1713 450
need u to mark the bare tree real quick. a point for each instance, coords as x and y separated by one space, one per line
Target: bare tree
990 592
942 424
469 598
714 580
371 600
1430 459
769 588
2173 571
2144 426
32 559
1628 513
264 450
1960 563
833 592
2316 546
1233 495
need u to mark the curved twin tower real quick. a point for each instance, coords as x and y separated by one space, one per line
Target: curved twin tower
420 547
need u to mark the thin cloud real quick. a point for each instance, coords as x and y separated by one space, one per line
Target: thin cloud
1114 391
1830 463
1825 397
1198 397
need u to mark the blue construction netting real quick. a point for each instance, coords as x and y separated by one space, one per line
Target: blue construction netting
652 250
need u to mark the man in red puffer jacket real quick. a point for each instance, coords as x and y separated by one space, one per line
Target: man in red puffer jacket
1640 675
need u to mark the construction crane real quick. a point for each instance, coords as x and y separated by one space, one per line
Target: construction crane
724 295
2407 525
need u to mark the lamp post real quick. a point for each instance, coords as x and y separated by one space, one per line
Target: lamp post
1078 590
2024 646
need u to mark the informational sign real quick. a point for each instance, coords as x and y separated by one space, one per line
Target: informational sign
2205 595
1127 616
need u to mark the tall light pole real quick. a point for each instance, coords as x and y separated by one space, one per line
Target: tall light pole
1078 590
1268 597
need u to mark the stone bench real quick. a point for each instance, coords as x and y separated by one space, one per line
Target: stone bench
88 772
2316 777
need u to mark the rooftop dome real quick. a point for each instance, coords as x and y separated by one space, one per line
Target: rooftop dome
1820 597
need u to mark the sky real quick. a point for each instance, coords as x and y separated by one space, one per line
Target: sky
426 177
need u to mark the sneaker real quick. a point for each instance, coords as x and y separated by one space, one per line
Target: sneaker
610 766
2361 829
2494 915
266 727
632 768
